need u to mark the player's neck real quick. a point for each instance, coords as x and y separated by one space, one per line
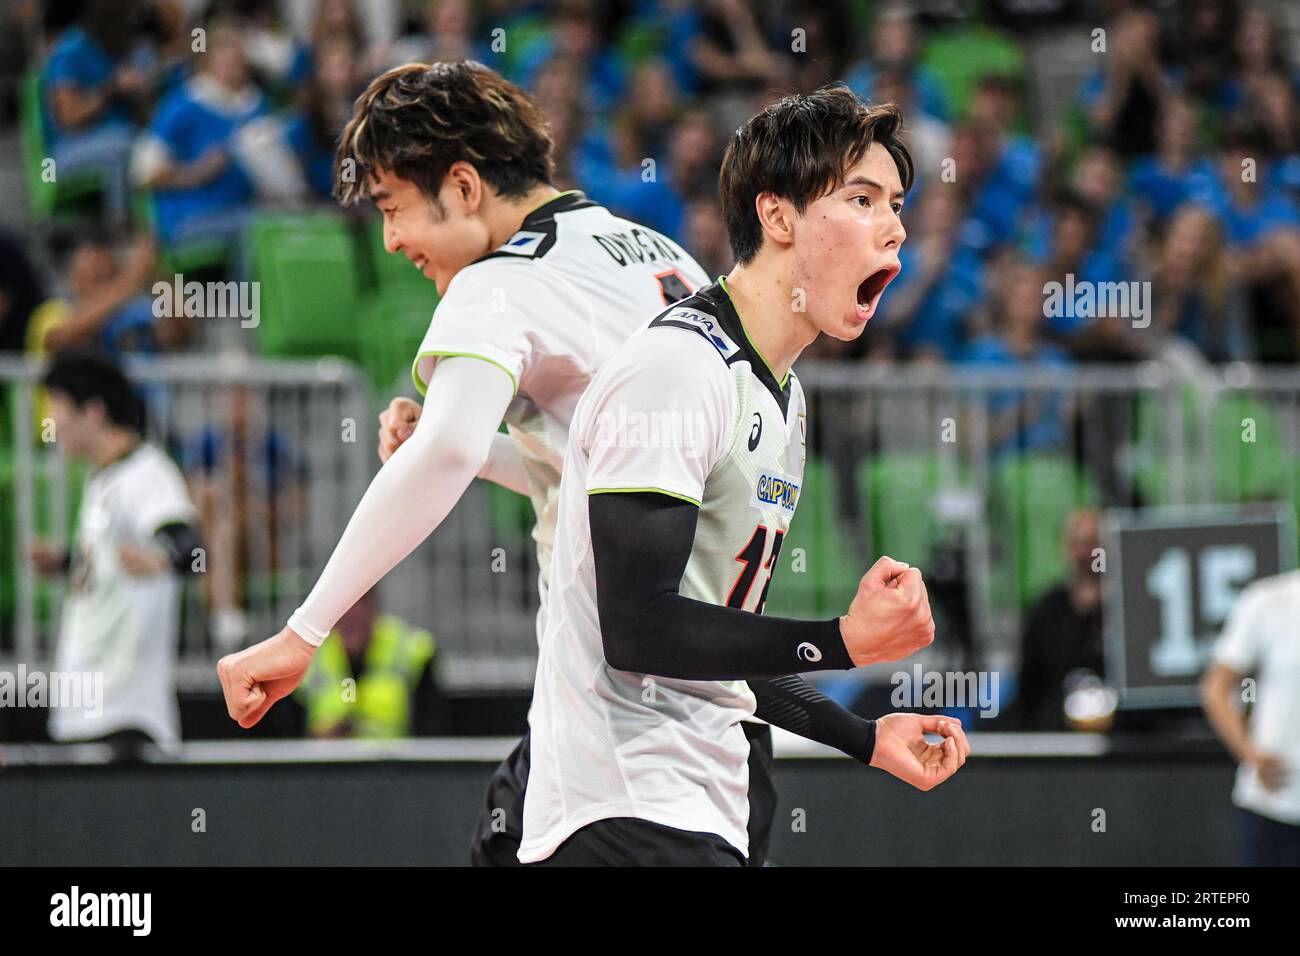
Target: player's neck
114 445
766 302
508 215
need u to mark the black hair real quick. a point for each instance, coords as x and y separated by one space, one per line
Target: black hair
87 376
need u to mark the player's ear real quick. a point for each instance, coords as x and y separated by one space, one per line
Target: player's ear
776 216
466 185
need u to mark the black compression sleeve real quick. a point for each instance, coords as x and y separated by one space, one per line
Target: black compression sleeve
640 544
180 540
793 704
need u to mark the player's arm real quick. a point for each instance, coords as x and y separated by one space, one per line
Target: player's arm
1237 654
409 497
641 542
793 704
172 548
504 465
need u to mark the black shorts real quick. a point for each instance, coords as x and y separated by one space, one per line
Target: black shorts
500 823
629 841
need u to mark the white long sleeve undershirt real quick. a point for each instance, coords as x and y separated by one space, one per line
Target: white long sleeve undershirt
505 466
415 489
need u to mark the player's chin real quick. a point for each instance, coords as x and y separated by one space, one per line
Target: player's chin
855 322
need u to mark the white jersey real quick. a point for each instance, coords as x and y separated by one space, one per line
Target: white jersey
548 307
123 627
689 408
1260 640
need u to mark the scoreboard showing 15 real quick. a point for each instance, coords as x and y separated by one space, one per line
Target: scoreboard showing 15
1172 576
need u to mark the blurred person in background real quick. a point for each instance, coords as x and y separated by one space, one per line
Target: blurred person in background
1017 159
827 43
1260 45
1062 632
313 129
724 52
1098 178
1177 170
1261 227
1020 421
1074 258
558 95
993 209
1195 295
1123 98
93 88
334 20
21 291
1257 661
1201 48
136 535
109 307
894 47
575 30
941 284
635 182
446 31
928 138
187 154
393 690
706 234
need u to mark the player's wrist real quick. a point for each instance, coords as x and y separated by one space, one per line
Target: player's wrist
866 751
297 628
857 657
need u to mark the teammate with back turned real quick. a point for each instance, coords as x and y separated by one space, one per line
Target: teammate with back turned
538 288
655 622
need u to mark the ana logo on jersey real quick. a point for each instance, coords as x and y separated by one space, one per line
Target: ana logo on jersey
522 243
756 432
709 326
808 652
775 490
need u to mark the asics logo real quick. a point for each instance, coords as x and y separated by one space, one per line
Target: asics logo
808 652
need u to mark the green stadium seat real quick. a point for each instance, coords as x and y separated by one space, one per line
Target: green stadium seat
201 256
1240 470
960 56
309 285
389 330
898 492
66 195
1251 461
1032 496
1153 446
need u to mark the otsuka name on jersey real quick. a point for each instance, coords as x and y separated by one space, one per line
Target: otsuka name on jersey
773 489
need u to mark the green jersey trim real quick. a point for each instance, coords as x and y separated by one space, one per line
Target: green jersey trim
660 491
423 386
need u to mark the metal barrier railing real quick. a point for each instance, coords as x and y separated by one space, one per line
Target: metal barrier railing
967 472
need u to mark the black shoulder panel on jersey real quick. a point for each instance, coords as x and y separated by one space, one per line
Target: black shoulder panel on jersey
695 313
718 304
537 232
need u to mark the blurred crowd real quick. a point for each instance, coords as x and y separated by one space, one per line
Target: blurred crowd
1170 161
1176 161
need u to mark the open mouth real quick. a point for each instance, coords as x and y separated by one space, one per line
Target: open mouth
872 286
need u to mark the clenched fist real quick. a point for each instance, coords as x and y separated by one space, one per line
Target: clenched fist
890 615
396 424
255 678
